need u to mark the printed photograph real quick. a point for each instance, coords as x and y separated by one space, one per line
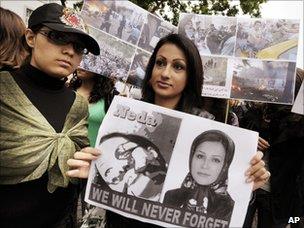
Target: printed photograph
267 39
211 34
204 189
154 28
214 70
265 81
136 163
138 68
115 56
121 19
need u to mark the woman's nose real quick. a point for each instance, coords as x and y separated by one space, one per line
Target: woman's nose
69 49
166 72
204 164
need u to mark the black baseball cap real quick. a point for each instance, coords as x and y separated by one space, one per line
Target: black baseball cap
63 19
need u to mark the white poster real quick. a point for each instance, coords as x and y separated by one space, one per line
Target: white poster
298 106
170 168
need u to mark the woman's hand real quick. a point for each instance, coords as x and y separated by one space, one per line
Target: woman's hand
263 144
80 164
257 171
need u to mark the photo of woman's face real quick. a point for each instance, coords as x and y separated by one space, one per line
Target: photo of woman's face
207 162
111 169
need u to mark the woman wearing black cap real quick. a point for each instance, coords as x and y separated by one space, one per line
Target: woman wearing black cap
204 189
43 123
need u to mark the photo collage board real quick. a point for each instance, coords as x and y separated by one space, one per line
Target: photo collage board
245 58
127 34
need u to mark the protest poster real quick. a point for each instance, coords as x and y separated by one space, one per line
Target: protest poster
249 59
298 106
170 168
126 33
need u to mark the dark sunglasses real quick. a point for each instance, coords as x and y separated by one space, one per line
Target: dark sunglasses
62 38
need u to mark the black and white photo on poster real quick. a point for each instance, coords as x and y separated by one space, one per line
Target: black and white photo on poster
115 56
121 19
204 167
298 105
257 80
154 28
211 34
138 68
216 83
141 158
267 39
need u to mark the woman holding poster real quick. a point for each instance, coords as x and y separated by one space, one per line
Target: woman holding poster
173 80
204 189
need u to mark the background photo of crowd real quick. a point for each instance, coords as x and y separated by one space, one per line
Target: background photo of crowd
220 40
127 35
229 42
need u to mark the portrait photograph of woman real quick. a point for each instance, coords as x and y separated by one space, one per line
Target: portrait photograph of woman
204 189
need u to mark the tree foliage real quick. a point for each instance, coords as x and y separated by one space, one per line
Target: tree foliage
170 9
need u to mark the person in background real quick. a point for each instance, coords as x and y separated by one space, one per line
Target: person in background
43 123
12 48
99 92
174 80
282 197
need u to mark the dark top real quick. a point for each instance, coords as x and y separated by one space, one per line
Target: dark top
29 204
219 206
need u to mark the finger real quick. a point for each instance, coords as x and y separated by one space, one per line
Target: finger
264 142
258 175
91 150
257 158
84 156
259 183
77 163
253 168
73 173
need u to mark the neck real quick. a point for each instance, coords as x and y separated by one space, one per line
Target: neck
86 88
170 103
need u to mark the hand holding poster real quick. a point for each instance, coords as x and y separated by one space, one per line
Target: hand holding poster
170 168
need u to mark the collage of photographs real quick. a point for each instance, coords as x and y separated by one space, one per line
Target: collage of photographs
245 58
126 34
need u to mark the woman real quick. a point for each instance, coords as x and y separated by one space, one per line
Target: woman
12 49
204 189
139 168
43 123
99 92
173 80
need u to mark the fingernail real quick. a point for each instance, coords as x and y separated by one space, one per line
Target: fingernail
247 173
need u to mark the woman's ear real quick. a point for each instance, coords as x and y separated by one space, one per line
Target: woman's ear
30 38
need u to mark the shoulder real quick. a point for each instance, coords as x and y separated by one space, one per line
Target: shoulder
81 105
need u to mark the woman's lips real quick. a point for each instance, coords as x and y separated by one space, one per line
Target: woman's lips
64 63
203 174
163 85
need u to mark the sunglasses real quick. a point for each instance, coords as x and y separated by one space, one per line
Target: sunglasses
62 38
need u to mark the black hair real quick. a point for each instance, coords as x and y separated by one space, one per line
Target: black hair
225 140
191 94
103 87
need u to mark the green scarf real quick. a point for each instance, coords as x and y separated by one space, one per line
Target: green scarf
29 144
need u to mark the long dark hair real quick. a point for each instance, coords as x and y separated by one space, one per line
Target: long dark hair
102 88
191 94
